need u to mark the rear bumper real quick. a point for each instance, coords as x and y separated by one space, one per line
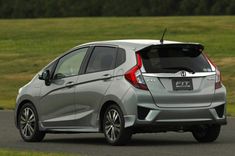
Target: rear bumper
174 119
141 111
186 115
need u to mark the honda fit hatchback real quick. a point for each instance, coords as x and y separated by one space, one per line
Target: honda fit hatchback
124 87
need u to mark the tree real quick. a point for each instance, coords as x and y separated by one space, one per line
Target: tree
6 8
204 7
24 8
121 7
231 8
166 7
219 7
187 7
68 8
52 9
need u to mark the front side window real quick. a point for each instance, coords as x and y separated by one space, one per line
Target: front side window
102 59
70 64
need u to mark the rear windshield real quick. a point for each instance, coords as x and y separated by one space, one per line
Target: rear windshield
171 59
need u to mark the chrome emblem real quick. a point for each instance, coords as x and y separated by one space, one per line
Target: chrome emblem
150 80
183 73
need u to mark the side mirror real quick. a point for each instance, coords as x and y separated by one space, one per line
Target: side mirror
46 77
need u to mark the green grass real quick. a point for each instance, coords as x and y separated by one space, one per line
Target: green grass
28 45
7 152
231 110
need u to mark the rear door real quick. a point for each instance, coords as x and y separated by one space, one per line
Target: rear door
178 75
93 84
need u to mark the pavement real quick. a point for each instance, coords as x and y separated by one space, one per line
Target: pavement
172 144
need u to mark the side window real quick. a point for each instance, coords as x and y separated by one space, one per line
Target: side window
121 57
70 64
102 58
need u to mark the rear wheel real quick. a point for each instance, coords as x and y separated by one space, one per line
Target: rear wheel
206 133
114 126
28 124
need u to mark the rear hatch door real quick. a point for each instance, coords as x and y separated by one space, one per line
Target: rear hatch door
178 75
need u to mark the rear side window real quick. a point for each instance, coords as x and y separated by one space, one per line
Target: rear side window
171 59
102 58
121 57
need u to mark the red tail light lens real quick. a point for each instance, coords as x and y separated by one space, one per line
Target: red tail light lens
218 77
134 75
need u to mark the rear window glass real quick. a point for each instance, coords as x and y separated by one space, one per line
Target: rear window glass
171 59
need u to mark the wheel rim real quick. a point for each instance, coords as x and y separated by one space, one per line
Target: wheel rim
112 125
27 122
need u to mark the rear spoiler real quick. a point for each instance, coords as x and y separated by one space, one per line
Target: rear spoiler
198 46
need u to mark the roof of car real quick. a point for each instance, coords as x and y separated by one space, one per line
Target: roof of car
134 43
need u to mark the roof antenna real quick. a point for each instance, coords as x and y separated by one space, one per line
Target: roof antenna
162 39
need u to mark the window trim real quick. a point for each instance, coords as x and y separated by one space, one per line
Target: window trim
92 50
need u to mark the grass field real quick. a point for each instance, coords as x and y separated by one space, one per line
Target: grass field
27 45
7 152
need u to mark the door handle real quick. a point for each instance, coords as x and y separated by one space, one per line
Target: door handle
69 84
106 76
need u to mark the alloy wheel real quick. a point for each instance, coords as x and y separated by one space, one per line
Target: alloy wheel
27 122
112 125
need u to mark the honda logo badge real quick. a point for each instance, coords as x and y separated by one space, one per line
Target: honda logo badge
183 73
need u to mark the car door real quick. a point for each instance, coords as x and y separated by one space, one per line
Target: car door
57 103
93 84
178 75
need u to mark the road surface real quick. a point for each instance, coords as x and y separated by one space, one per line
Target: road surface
172 144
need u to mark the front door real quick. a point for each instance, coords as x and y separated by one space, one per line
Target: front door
57 101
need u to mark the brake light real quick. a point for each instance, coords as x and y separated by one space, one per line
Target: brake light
134 75
218 77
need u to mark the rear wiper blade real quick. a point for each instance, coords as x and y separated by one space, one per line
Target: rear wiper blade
181 68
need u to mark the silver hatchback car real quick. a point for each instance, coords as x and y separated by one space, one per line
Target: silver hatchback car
123 87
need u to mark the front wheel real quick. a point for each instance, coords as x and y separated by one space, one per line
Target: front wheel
206 133
114 126
28 124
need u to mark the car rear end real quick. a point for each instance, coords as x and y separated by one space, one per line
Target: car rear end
185 88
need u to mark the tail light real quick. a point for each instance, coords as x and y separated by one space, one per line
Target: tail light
134 75
218 77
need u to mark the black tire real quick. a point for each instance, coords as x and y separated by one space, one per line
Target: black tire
206 133
28 124
123 135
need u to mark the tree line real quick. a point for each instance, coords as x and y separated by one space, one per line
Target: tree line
74 8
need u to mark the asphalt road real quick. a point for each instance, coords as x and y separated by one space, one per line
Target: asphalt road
173 144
